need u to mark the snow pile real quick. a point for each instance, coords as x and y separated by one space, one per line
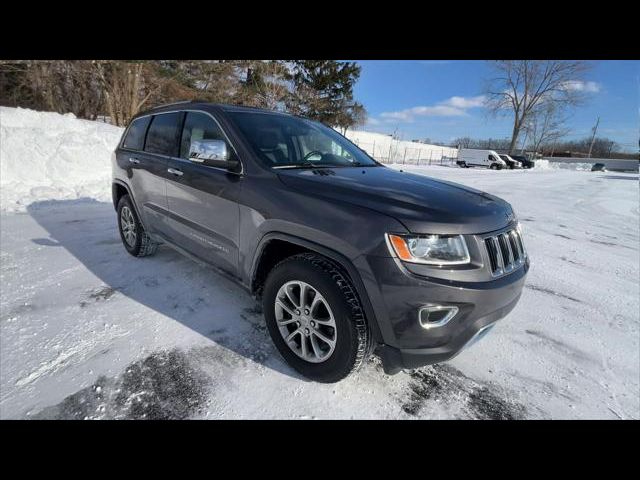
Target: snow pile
547 165
48 156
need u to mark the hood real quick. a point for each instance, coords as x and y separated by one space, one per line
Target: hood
422 204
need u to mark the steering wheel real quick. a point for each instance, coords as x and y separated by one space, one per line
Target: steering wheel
311 153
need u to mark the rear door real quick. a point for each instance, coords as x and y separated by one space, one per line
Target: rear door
161 143
203 200
145 172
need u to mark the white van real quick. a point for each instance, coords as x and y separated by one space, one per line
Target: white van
469 157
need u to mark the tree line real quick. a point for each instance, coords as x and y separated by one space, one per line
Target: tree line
117 90
603 147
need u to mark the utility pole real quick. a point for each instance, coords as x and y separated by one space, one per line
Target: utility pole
593 137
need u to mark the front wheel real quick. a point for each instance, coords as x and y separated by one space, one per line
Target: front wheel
493 166
315 318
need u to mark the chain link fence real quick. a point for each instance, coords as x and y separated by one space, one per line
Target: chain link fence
408 153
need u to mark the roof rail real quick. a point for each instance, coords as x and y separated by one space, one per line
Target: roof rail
195 100
175 103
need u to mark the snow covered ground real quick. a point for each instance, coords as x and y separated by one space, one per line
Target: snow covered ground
87 331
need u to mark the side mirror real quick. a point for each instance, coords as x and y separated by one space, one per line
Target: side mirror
214 153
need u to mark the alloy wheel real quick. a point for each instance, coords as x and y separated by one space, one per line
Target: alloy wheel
305 321
128 226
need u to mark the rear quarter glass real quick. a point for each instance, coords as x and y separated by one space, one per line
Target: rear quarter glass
134 138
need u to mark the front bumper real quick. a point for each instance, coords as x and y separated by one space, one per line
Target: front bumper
399 295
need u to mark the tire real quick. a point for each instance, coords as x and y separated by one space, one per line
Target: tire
140 245
493 166
463 165
351 335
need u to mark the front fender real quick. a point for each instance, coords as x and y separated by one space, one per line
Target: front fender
342 261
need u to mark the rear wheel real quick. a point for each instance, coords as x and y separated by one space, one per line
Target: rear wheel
134 238
315 318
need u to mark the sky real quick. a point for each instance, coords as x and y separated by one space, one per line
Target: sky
441 100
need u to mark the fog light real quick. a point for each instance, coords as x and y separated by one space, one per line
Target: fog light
433 316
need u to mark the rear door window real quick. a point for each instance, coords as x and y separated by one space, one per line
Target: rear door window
135 135
163 135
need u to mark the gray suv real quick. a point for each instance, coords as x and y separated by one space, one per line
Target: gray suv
347 256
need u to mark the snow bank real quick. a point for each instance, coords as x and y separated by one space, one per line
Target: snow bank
48 156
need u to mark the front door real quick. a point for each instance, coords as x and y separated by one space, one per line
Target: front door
203 200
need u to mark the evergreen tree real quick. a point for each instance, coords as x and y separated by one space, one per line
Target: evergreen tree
323 90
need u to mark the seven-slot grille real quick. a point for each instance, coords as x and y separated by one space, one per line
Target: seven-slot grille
506 252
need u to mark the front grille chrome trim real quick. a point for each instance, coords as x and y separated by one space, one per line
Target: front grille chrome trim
504 251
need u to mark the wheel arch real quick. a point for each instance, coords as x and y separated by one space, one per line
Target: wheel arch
264 259
118 190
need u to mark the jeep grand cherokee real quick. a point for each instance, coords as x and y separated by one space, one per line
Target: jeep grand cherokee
348 257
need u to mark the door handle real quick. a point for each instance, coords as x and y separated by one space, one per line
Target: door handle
133 160
173 171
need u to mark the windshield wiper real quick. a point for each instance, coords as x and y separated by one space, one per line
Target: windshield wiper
308 164
360 164
304 165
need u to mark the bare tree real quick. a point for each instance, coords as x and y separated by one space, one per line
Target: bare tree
127 87
60 86
351 116
523 86
488 143
546 125
602 148
462 142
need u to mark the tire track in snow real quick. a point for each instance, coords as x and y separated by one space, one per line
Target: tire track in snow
165 385
444 384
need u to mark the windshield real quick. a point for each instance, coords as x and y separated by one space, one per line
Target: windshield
281 141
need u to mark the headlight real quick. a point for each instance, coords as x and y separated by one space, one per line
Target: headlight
430 249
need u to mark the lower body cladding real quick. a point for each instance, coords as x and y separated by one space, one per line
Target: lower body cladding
414 333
